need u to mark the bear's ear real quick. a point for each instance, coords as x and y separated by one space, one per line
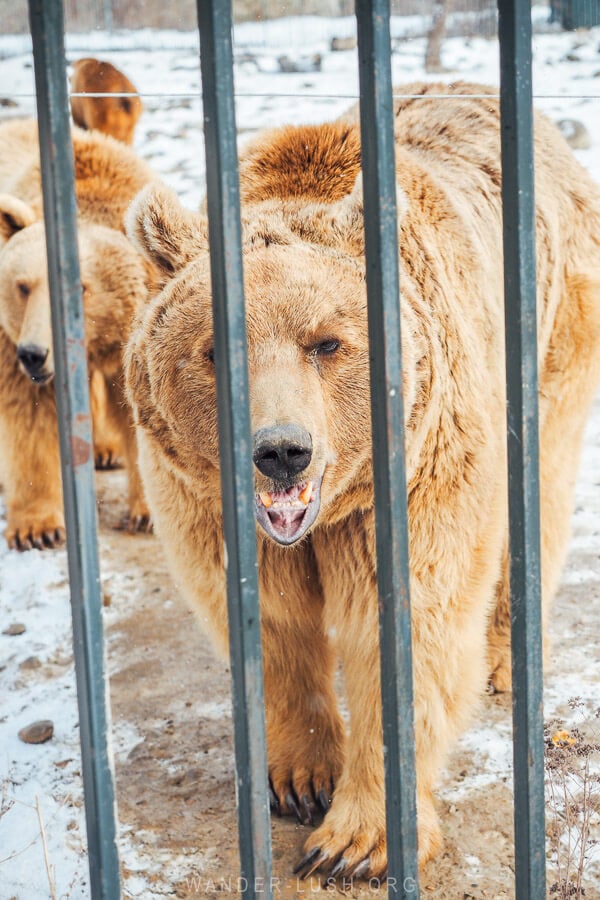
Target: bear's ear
14 215
166 233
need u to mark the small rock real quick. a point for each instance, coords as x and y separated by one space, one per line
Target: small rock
106 599
37 732
346 43
300 64
7 102
32 662
15 628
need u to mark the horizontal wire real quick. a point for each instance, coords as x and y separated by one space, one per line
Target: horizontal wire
272 95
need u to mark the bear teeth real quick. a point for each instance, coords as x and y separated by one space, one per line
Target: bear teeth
306 494
299 499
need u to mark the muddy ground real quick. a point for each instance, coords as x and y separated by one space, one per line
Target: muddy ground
174 754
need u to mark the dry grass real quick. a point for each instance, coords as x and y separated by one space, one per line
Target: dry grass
572 762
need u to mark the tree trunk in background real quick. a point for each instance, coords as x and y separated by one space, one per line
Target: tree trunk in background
433 59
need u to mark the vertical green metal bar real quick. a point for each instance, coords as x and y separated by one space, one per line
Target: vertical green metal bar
214 17
72 399
523 449
381 242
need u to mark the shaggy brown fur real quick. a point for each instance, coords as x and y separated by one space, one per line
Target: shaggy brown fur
308 364
116 280
116 116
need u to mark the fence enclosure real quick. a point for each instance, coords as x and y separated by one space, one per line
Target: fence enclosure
214 18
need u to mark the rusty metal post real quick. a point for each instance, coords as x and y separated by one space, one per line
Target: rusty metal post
235 447
77 458
518 202
387 415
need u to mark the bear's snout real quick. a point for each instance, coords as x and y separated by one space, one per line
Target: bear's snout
33 359
282 451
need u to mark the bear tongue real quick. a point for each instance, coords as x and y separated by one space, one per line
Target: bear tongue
286 522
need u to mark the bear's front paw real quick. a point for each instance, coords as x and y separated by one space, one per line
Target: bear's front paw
303 774
351 842
27 533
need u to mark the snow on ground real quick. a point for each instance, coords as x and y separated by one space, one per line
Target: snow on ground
44 786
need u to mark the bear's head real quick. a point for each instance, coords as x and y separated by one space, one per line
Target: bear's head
114 281
308 356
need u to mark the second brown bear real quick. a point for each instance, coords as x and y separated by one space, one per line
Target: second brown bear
116 282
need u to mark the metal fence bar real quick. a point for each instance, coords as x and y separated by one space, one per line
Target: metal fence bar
74 425
214 18
523 450
381 245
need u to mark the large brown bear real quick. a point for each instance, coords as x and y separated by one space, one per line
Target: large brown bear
116 116
309 394
115 281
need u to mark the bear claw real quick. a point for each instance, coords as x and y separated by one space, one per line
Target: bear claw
135 524
309 863
324 800
362 868
339 868
54 538
46 540
139 523
343 868
274 803
293 807
105 460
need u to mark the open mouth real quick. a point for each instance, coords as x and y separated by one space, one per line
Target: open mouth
287 515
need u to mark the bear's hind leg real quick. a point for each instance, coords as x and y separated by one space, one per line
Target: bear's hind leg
569 376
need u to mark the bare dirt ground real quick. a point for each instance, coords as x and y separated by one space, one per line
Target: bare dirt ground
174 752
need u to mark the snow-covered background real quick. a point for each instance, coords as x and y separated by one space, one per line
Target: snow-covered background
41 785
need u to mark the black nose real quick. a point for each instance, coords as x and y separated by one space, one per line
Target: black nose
282 451
32 357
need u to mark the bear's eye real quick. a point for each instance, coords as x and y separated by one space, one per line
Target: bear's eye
210 355
326 348
23 289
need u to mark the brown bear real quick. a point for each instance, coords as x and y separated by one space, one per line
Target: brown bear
116 116
116 281
308 357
